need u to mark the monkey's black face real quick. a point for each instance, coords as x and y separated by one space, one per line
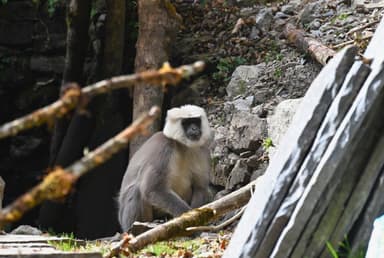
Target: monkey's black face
192 128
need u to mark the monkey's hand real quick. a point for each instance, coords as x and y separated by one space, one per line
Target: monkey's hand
167 201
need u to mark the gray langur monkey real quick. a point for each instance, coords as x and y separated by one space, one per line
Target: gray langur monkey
170 171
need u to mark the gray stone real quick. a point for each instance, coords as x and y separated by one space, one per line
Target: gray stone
219 141
308 13
26 230
246 131
264 19
253 161
243 104
255 33
242 77
281 15
262 167
288 9
239 175
315 24
260 111
280 120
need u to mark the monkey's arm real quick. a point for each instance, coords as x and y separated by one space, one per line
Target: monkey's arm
156 192
200 187
200 196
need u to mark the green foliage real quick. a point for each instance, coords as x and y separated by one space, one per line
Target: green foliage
344 250
69 243
161 249
226 66
332 250
3 1
267 143
273 53
51 6
277 72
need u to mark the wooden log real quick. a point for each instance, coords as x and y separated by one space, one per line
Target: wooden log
288 158
308 45
339 107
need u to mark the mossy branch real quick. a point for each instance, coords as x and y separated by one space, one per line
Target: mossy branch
59 182
74 96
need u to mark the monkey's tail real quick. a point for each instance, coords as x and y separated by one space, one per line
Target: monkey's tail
129 206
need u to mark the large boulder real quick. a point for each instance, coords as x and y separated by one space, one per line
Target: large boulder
243 78
246 132
280 120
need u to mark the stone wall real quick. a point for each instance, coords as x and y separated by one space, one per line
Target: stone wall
32 50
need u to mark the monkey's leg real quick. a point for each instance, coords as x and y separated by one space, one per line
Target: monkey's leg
200 196
132 208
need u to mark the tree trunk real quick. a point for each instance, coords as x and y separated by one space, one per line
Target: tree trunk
157 29
114 38
78 14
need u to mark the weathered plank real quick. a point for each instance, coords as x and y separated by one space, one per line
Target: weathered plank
288 158
339 107
28 246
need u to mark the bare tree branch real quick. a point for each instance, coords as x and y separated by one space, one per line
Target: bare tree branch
163 76
59 182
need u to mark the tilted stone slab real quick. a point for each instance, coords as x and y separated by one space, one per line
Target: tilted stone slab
364 113
286 162
339 107
359 196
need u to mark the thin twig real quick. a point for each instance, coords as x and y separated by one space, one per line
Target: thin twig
356 29
350 42
59 182
73 96
220 226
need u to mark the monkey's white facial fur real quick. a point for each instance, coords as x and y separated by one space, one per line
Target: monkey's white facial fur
175 130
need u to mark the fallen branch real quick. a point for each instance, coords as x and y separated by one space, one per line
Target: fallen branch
308 45
73 96
59 182
178 226
359 28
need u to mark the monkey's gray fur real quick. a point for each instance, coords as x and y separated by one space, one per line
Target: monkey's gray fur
170 172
